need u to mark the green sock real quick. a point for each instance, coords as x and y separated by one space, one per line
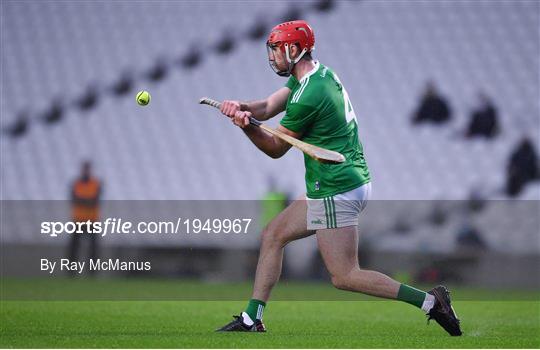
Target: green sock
411 295
255 309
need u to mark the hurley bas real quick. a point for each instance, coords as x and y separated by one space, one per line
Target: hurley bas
94 265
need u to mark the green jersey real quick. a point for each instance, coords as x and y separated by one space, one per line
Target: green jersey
319 108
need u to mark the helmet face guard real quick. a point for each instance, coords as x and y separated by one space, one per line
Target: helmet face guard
272 61
285 49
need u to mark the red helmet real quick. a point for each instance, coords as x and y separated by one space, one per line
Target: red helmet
289 33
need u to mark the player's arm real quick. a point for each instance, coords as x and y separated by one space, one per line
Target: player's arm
261 109
268 143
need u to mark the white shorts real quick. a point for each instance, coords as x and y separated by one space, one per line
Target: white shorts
337 211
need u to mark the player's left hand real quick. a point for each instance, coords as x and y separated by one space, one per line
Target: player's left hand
229 108
241 118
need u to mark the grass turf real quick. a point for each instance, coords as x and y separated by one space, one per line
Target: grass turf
292 324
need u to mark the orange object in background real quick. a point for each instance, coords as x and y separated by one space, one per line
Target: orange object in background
85 199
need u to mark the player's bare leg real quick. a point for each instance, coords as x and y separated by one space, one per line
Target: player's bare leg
288 226
339 249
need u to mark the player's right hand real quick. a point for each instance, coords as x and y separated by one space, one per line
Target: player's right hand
241 118
229 108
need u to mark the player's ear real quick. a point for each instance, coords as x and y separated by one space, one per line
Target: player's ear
296 50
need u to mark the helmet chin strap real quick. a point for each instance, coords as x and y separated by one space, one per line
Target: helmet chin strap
290 61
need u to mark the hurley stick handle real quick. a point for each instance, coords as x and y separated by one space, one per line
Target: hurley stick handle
216 104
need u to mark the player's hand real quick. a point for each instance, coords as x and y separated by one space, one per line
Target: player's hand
241 119
229 108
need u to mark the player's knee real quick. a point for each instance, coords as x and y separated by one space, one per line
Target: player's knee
346 277
272 237
341 282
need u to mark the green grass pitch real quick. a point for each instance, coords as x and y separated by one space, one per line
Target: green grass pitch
366 323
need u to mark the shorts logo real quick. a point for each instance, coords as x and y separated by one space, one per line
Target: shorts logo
317 185
318 222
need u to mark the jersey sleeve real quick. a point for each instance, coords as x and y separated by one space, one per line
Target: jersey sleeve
298 117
